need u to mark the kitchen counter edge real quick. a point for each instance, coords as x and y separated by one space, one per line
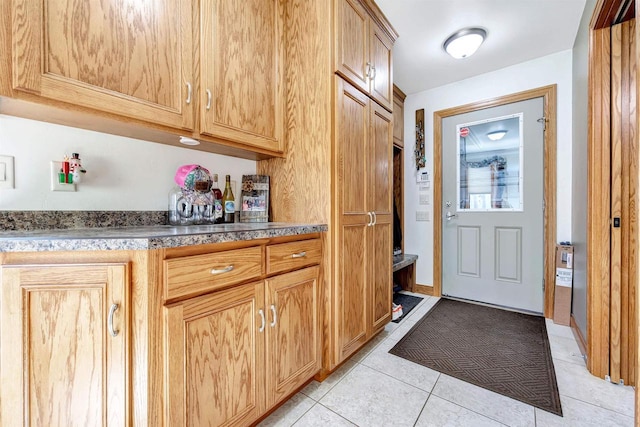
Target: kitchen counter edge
147 237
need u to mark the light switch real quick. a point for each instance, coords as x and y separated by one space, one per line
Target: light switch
6 172
424 198
422 215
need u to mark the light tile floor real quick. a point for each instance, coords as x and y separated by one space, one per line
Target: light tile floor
375 388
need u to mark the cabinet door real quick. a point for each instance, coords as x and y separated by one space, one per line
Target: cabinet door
215 358
293 332
61 363
352 168
242 75
130 59
398 122
352 43
381 82
381 278
380 199
381 159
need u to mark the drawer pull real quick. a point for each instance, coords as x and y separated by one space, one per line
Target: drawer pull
112 311
299 255
261 313
223 270
275 317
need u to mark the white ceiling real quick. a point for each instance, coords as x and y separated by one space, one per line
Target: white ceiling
517 31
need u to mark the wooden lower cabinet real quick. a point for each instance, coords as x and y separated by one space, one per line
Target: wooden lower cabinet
204 335
232 355
64 337
293 334
215 358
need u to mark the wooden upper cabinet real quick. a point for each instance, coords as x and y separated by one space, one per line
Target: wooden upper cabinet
398 117
363 51
130 59
64 334
242 77
381 80
352 43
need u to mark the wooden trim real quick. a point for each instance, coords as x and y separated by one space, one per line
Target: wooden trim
425 289
615 200
548 93
378 17
610 12
598 203
399 93
582 342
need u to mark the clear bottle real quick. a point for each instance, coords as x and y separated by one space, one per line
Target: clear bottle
174 195
228 201
217 201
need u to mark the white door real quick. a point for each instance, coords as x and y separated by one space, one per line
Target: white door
493 202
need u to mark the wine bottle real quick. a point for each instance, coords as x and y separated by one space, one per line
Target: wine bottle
228 201
217 202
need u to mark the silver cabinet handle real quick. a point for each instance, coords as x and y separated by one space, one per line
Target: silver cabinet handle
450 216
373 68
112 311
368 69
299 255
262 325
222 270
375 218
208 100
275 317
370 219
189 91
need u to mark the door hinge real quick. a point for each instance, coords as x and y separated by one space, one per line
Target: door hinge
544 121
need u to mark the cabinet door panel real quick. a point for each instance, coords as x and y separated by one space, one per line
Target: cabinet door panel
352 42
381 277
129 59
352 133
293 346
352 288
398 122
242 57
215 356
381 85
55 329
381 160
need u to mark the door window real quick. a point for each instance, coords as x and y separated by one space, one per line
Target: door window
490 164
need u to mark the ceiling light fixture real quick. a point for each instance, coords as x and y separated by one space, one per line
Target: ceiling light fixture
465 42
496 135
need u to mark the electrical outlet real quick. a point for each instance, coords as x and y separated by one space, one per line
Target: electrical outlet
6 172
56 185
424 198
422 215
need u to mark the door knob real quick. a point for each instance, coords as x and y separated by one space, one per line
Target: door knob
450 216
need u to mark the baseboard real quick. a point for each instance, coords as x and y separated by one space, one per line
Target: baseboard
424 289
582 343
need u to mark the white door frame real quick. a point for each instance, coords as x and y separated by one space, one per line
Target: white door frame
548 93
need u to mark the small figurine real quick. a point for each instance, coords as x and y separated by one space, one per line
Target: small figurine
75 168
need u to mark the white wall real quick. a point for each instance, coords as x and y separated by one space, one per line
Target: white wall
551 69
122 173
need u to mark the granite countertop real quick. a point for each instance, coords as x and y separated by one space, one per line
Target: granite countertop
146 237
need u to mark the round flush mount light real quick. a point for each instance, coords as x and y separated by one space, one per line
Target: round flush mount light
465 42
188 141
496 135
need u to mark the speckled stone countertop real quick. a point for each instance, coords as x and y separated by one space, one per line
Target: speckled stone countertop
146 237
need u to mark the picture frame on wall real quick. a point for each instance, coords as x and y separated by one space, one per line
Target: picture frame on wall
254 198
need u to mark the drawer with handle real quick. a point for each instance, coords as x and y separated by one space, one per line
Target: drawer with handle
197 274
293 255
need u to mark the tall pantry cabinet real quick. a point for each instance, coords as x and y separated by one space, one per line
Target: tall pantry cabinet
338 165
